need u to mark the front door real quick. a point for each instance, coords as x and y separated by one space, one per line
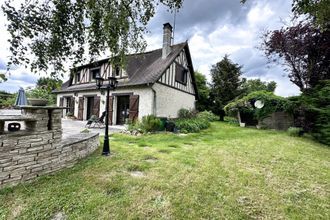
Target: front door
90 104
122 109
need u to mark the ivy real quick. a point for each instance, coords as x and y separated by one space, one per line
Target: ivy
272 103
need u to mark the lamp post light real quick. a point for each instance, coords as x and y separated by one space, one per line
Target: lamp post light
112 84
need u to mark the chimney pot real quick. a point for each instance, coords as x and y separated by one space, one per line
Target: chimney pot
167 39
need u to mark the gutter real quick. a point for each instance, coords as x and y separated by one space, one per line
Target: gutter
154 110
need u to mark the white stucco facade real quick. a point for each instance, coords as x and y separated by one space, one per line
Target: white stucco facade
169 101
146 100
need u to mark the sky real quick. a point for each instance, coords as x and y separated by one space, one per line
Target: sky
213 28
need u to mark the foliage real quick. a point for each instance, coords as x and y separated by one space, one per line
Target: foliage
272 103
3 77
231 120
56 31
207 115
317 10
186 113
303 49
49 83
195 123
203 102
191 125
295 131
253 85
225 85
149 123
7 99
314 106
41 93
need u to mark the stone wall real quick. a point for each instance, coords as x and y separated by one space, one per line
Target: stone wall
277 120
40 149
28 156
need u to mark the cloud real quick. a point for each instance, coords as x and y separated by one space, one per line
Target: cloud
3 65
213 28
218 27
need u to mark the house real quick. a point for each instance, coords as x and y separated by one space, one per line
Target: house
159 82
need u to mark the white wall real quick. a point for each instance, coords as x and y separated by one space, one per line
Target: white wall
170 100
145 100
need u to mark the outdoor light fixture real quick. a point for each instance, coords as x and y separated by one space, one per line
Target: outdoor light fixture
112 84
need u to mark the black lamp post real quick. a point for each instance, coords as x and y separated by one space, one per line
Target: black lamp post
112 84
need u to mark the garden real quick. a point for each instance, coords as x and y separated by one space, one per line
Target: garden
224 171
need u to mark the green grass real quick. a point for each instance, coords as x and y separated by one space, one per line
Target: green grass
222 172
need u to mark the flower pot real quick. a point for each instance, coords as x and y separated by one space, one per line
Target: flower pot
37 102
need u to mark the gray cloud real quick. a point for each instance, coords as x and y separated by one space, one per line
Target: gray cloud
3 65
201 14
218 27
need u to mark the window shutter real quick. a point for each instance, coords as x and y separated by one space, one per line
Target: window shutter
110 110
96 106
133 107
61 101
81 108
72 105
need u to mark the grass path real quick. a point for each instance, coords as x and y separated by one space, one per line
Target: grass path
223 172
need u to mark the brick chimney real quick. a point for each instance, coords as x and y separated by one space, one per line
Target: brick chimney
167 39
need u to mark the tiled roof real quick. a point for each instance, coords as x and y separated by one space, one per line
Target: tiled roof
142 68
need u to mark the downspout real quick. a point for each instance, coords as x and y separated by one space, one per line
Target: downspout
154 110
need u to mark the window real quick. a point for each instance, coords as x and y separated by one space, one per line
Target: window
94 73
117 71
181 74
77 80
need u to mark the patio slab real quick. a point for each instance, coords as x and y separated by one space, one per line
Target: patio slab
71 127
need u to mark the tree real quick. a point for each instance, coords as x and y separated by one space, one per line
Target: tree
203 102
49 83
304 50
55 32
225 85
317 10
253 85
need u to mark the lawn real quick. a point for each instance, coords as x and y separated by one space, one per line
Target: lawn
223 172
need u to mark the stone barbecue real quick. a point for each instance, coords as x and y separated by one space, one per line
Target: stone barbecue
39 149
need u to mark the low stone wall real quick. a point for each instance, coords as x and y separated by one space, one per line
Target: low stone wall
277 120
27 156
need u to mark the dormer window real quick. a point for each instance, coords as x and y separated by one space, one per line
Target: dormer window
94 72
77 79
181 74
116 72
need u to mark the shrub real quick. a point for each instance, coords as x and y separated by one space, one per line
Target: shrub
207 115
149 123
185 113
295 132
192 125
231 120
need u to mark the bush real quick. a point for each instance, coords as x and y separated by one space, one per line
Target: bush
295 132
207 115
191 125
185 113
149 123
312 111
231 120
